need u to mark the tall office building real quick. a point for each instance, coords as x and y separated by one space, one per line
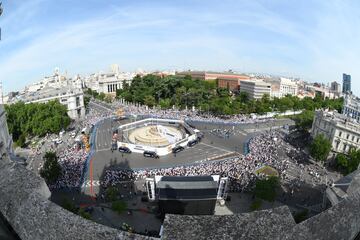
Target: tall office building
335 87
346 83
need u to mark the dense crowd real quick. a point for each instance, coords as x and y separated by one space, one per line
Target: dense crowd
185 114
268 148
240 170
71 153
72 162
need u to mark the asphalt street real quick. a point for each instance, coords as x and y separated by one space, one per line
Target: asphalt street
212 146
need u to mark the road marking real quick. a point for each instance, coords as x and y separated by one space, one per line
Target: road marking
104 149
91 179
216 147
87 184
242 132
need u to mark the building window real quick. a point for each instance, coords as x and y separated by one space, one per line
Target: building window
347 136
340 133
77 101
353 137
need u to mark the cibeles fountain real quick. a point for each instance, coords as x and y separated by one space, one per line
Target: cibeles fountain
155 135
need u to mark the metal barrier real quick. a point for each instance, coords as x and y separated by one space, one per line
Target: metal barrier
91 153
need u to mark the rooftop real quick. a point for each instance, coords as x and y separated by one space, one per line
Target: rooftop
210 72
50 92
255 82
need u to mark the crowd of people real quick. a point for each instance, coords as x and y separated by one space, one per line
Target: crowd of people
71 153
72 162
268 148
186 114
240 170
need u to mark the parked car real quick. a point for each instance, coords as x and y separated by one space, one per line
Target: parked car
192 143
150 154
177 149
124 150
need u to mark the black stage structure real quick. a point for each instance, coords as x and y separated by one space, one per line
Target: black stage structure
189 195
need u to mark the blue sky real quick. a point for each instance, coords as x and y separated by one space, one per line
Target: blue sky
314 40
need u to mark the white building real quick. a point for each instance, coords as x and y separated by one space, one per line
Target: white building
5 138
280 87
343 132
351 107
72 98
255 88
108 83
322 90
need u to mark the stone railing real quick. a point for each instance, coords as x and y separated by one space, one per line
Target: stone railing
25 206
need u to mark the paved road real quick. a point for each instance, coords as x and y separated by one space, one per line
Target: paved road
212 146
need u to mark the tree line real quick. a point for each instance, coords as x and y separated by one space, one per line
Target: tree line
348 163
96 95
179 91
35 119
320 148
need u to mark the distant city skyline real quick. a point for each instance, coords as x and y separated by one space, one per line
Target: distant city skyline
314 40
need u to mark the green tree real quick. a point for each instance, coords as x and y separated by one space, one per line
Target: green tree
266 188
101 96
244 97
84 214
304 120
149 101
342 162
320 148
108 99
119 206
111 193
51 170
185 91
36 119
256 205
86 101
69 205
165 103
354 160
21 142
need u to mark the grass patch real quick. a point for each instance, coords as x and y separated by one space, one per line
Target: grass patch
256 205
268 171
119 206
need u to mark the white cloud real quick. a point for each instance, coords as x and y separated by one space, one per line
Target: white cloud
160 36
